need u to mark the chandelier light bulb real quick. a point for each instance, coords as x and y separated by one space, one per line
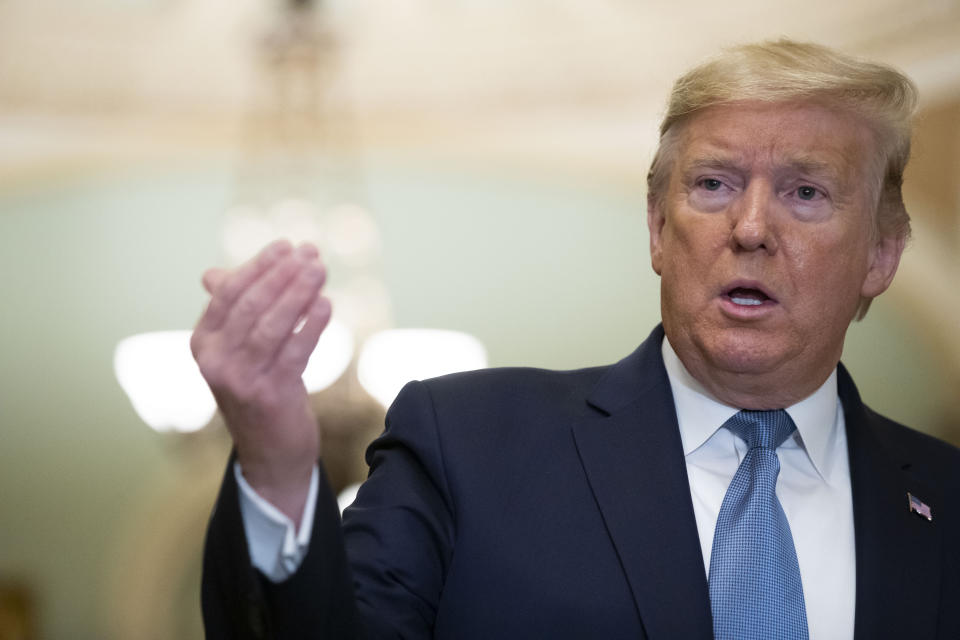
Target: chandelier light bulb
159 375
389 359
162 380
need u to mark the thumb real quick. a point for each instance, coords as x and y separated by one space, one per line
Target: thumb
212 279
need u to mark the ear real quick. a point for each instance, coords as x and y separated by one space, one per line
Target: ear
884 260
655 221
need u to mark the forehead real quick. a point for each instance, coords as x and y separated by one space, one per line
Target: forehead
753 136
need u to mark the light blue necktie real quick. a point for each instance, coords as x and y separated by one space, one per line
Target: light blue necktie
755 589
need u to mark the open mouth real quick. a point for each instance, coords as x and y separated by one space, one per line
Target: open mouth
748 297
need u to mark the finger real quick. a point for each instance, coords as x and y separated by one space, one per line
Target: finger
226 290
308 250
292 358
213 278
257 300
277 322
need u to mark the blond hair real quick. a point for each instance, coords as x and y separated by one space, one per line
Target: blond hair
788 71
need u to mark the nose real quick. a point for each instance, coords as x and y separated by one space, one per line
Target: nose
752 223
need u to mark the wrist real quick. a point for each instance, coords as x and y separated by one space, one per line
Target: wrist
287 491
278 451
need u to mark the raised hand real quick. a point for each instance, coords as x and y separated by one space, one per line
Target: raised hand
252 344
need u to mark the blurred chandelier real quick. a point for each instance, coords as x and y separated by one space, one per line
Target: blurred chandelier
291 184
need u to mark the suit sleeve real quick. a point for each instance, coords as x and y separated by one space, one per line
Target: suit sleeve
400 530
239 602
379 576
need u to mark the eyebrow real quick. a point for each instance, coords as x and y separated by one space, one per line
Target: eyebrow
809 165
816 167
714 160
710 161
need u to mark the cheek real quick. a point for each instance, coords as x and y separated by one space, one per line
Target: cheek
695 248
688 230
830 272
688 263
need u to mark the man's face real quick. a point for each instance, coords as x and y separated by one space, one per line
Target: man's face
764 243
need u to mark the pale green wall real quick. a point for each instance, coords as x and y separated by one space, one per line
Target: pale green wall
545 271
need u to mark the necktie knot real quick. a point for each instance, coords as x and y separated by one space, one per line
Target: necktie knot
765 429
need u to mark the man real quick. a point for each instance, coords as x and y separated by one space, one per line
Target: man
724 480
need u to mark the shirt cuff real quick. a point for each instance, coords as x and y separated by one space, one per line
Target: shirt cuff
276 548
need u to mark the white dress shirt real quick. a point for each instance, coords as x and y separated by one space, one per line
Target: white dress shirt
276 547
813 487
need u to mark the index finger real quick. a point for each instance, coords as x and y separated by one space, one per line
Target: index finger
226 287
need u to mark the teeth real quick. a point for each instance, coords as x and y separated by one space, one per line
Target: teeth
746 301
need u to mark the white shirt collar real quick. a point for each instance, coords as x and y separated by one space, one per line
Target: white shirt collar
700 415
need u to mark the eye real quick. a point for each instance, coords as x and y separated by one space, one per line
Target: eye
807 192
712 191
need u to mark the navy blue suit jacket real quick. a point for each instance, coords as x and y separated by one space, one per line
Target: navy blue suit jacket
521 503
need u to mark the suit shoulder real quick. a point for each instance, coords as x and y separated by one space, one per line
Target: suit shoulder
493 399
938 456
478 421
504 384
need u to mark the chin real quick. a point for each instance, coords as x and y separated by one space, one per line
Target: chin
747 351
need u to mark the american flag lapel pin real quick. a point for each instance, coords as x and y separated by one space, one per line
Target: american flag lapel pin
919 507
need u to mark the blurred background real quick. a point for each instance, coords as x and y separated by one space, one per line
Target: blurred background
471 166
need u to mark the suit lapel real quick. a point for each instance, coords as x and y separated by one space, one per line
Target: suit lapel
632 455
631 452
898 552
